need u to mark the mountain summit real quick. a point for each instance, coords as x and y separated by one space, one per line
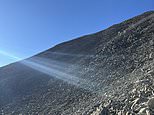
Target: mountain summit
107 73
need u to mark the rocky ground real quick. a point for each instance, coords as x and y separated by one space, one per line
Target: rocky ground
133 93
138 100
107 73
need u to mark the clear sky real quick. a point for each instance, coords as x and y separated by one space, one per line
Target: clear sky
31 26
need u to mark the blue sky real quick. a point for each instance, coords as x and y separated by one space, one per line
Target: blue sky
31 26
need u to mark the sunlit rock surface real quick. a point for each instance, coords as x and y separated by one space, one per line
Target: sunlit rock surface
107 73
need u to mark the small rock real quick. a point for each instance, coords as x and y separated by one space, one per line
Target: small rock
127 113
120 113
150 56
134 90
147 112
151 103
105 111
134 102
142 111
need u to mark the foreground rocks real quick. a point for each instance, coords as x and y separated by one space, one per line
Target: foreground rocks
139 100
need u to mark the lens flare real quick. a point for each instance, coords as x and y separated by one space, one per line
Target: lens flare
58 70
9 55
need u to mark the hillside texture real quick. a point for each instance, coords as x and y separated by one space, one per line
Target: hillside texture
107 73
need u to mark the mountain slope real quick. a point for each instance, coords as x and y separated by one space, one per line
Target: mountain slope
82 75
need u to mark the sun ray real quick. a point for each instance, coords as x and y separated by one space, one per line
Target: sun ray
10 55
57 70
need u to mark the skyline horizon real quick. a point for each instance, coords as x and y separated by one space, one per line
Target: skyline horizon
30 27
17 59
